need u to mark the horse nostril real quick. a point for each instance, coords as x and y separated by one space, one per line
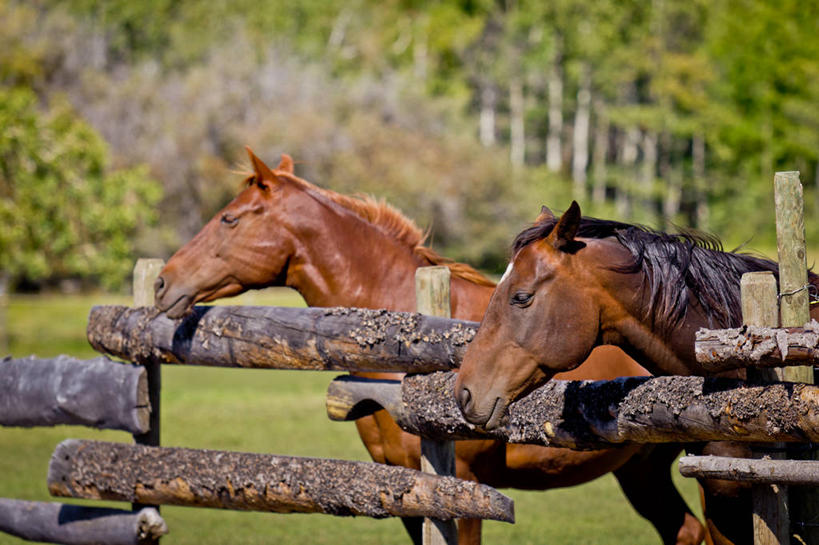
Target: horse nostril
464 398
159 285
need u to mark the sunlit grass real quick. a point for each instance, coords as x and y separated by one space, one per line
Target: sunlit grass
279 412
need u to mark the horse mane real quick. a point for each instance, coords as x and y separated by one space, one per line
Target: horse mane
390 221
677 268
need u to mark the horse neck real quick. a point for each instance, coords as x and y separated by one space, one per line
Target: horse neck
343 260
663 349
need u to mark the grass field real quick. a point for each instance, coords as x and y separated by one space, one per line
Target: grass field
279 412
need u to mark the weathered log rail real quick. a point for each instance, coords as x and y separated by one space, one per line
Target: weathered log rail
789 472
283 338
54 522
262 482
746 346
594 414
98 393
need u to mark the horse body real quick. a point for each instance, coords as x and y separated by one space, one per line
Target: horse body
340 251
577 283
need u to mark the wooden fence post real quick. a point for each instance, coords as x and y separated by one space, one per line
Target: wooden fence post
760 308
146 272
438 457
794 309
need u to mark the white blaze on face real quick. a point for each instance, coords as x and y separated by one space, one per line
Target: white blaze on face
506 274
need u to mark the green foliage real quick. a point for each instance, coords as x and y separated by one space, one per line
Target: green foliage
64 212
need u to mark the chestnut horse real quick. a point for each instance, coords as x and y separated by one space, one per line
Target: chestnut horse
341 251
576 283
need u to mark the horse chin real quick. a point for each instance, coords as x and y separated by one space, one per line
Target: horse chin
498 415
179 308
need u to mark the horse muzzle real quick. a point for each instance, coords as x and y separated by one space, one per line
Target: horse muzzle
487 416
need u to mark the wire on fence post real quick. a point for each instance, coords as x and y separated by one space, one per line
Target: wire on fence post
438 457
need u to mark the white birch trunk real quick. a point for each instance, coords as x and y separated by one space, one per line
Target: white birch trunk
554 152
601 151
487 118
698 160
580 139
517 137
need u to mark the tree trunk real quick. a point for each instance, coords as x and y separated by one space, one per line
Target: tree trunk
700 185
554 151
264 482
580 135
628 158
487 119
4 303
648 174
283 338
601 152
517 136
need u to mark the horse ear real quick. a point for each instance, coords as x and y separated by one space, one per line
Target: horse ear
263 172
562 236
286 164
545 215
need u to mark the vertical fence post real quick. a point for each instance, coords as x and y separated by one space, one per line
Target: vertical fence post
760 308
438 457
794 309
146 272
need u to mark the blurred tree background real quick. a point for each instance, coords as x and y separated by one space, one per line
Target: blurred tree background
122 121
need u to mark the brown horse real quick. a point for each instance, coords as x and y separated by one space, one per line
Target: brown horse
576 283
337 250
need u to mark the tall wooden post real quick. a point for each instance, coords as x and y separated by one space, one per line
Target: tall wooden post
760 308
794 310
438 457
146 272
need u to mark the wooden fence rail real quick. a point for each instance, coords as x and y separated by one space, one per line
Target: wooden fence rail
790 472
263 482
593 414
99 393
756 346
283 338
53 522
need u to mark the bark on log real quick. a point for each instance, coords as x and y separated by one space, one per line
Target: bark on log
262 482
283 338
747 346
790 472
99 393
595 414
78 525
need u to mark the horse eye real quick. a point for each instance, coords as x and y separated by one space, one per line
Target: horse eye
522 299
229 220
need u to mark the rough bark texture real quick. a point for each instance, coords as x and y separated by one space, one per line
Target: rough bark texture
747 346
99 393
262 482
77 525
791 472
283 338
594 414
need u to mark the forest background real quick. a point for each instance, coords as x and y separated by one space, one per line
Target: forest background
123 123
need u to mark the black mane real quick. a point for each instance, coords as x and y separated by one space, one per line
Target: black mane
677 268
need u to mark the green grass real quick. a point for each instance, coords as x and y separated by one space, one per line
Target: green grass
279 412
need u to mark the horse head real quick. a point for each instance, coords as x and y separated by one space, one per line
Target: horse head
245 245
540 321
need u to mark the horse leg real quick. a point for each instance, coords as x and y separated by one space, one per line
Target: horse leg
646 482
727 505
469 531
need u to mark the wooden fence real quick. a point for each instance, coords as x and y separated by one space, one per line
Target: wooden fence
561 413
